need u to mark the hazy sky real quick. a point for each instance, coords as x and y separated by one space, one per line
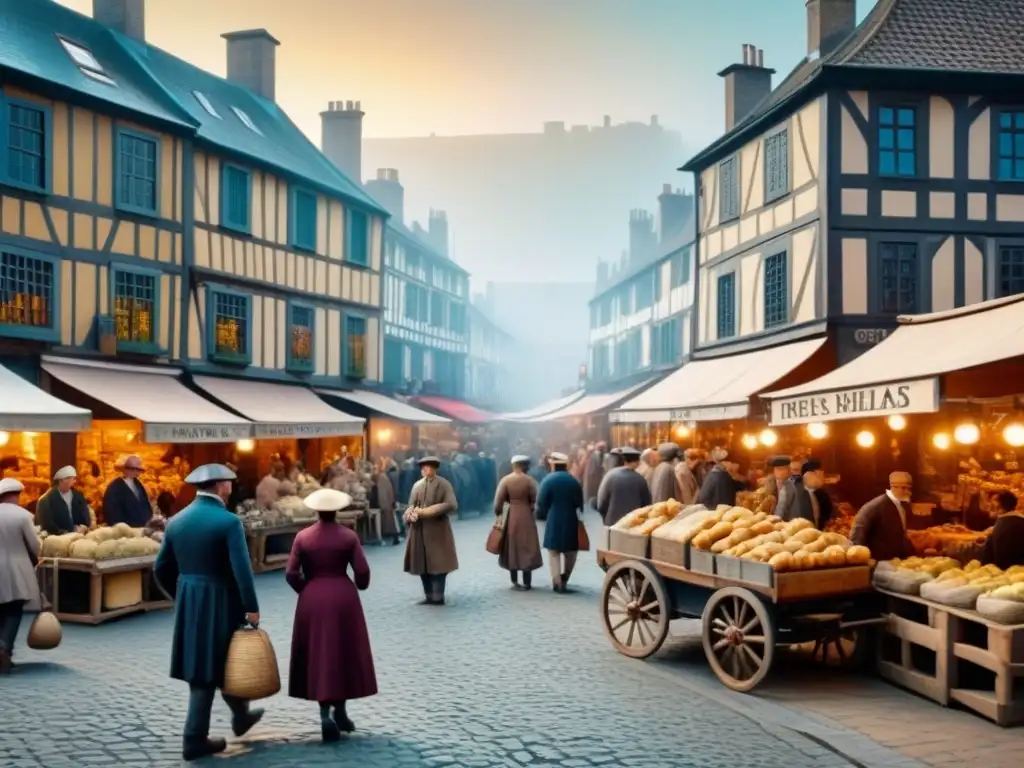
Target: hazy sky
494 66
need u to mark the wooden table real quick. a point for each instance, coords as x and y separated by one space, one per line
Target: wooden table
257 538
50 569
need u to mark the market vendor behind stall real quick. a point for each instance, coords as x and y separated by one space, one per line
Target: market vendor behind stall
126 500
62 509
811 501
881 524
1005 546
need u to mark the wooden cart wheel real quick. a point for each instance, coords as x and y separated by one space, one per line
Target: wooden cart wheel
739 638
635 609
842 648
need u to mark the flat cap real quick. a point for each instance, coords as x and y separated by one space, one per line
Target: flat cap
210 473
778 461
668 450
64 473
811 465
900 478
430 460
628 452
327 500
10 485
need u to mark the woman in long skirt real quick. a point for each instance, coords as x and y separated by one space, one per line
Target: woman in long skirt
331 660
520 549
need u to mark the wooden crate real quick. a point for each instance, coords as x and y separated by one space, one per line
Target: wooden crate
821 582
628 543
747 571
997 648
700 560
98 572
905 624
671 552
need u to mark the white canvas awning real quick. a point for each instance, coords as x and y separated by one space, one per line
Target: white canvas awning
544 409
281 410
387 406
25 407
901 374
716 389
169 411
591 404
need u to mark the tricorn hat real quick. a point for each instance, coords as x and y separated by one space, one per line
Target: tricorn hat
327 500
210 473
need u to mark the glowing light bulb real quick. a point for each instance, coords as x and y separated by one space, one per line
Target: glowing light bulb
1013 434
817 430
5 437
246 446
682 431
749 442
865 439
768 438
941 441
967 433
897 423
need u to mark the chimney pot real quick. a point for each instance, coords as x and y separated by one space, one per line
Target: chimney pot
341 138
666 189
746 85
125 16
829 22
252 63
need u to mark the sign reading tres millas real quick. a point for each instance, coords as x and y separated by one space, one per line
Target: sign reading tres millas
901 397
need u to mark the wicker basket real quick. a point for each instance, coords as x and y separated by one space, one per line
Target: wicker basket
45 633
251 671
121 590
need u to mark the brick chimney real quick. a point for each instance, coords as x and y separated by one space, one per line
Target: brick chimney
642 240
437 231
389 192
829 22
746 85
675 209
125 16
252 61
341 138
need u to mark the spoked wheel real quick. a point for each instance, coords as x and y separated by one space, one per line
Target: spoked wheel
635 610
739 638
838 647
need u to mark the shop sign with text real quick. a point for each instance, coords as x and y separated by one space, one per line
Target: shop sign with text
197 433
920 396
308 430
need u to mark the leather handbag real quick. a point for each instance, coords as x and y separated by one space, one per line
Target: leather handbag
251 671
582 537
45 633
496 536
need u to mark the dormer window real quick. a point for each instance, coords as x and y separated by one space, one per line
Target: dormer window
87 63
204 102
246 120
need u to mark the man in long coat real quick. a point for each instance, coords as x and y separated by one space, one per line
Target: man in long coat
126 500
430 544
623 489
719 486
62 509
593 474
204 564
812 501
663 479
881 524
688 478
560 501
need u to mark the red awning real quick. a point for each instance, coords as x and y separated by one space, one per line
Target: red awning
456 409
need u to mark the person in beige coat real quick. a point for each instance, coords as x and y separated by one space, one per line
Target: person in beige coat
430 546
649 459
19 553
663 479
386 500
687 478
520 546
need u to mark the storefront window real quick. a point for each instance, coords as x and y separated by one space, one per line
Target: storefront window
25 456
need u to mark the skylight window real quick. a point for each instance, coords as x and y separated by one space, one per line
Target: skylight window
98 76
87 63
205 102
246 120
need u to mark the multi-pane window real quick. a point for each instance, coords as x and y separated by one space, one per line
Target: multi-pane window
897 277
304 222
1011 271
26 291
358 237
457 317
437 318
355 347
236 197
776 290
626 305
136 172
135 307
897 141
666 342
412 299
1011 146
644 292
776 166
230 342
301 323
729 189
681 268
26 146
726 306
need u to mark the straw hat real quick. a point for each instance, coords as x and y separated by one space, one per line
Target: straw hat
327 500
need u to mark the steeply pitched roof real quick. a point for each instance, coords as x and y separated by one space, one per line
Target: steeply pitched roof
154 83
908 35
403 232
669 248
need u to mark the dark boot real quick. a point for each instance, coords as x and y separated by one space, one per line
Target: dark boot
196 750
329 730
6 665
565 584
242 724
342 720
514 575
527 580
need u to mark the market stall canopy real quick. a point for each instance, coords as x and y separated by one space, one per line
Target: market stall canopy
718 388
169 411
27 408
281 410
456 409
386 406
591 404
901 374
544 409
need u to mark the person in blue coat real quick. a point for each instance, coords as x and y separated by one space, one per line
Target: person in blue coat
204 564
560 502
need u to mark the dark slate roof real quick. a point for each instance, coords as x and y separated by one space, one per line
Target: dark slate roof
156 84
924 35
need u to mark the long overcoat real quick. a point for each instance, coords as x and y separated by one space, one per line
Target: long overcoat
879 527
520 546
663 482
204 564
622 490
430 546
719 487
331 658
18 548
560 499
386 504
593 475
689 484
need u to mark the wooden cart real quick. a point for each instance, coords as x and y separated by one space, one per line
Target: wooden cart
50 570
743 622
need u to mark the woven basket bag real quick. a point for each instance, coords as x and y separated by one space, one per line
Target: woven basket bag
251 671
45 633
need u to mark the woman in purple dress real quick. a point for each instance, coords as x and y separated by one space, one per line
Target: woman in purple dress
331 660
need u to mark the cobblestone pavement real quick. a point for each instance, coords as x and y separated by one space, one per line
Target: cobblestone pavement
497 678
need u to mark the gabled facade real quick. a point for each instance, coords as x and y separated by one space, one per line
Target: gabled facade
153 211
880 178
491 355
640 316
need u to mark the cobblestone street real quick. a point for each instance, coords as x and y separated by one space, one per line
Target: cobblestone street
498 678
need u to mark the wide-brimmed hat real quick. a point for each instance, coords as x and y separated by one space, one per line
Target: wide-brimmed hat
327 500
210 473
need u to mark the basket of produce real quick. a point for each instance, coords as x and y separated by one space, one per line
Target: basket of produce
631 535
907 576
1004 605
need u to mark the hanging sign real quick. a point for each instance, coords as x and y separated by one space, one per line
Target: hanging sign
196 433
919 396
